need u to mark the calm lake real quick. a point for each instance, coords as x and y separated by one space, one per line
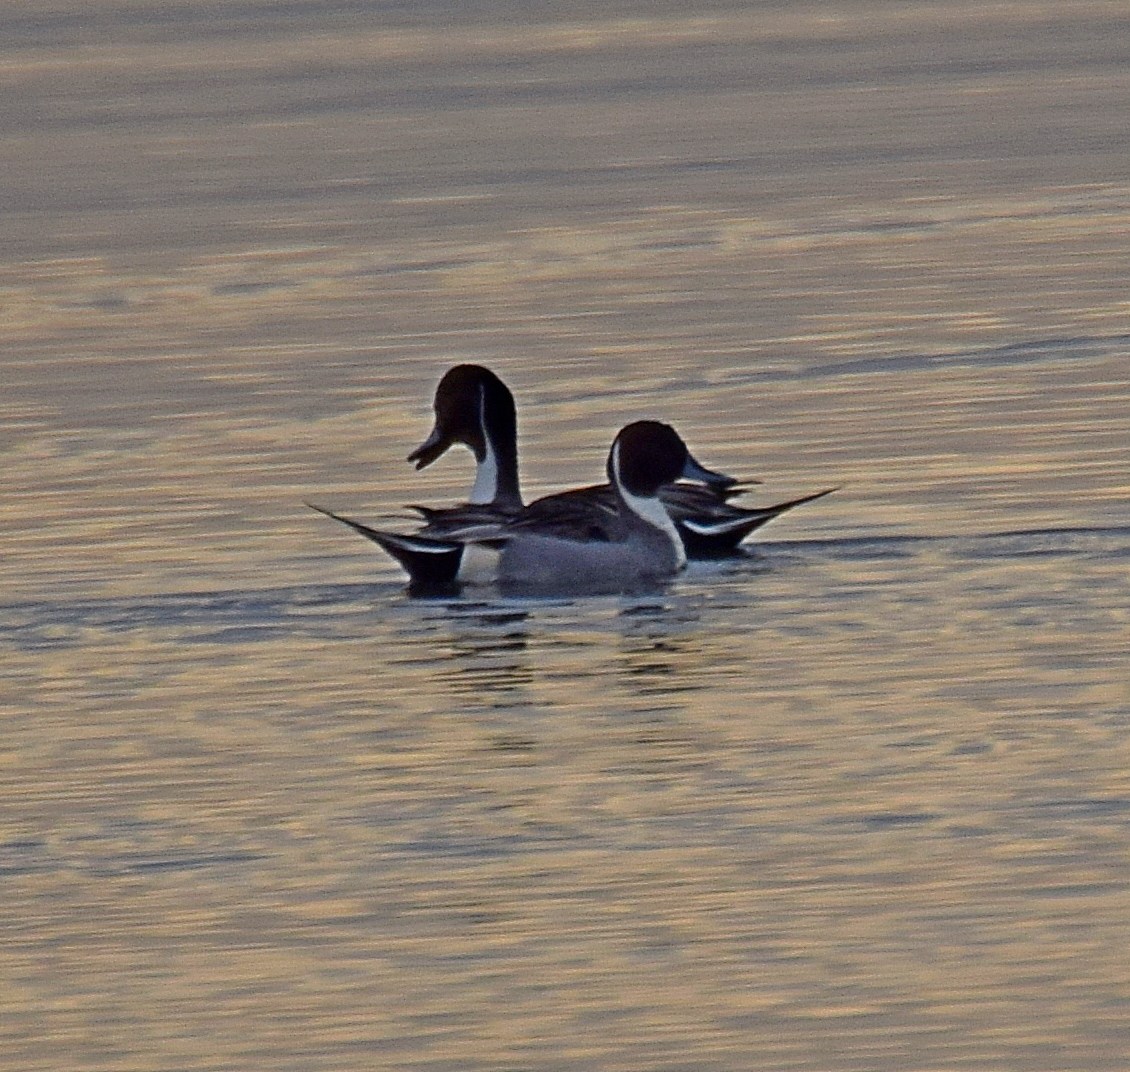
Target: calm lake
857 802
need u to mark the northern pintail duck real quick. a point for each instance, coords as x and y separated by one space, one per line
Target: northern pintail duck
633 544
474 407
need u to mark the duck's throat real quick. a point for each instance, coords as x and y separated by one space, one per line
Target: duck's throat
486 477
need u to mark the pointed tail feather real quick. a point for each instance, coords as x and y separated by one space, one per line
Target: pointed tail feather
720 538
429 563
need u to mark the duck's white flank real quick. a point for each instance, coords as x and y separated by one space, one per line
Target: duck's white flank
479 564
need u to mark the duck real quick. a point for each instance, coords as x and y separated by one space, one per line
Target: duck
633 544
475 408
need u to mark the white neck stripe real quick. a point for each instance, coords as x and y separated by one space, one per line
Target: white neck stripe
486 478
650 509
486 475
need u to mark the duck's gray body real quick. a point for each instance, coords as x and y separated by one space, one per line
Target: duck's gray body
631 545
549 563
626 553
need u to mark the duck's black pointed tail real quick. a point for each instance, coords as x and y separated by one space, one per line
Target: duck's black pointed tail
720 538
430 564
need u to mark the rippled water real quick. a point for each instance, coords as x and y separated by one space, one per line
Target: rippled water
854 803
859 801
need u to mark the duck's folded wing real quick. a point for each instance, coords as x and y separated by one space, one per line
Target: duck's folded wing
582 514
467 523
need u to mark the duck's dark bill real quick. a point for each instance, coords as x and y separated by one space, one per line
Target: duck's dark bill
430 449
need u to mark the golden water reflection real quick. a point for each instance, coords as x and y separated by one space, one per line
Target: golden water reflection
855 801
